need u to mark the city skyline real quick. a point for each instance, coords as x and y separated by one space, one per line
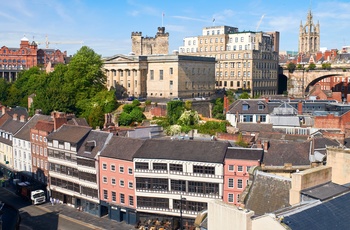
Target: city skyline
106 26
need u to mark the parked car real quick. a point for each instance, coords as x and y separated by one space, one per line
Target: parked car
141 99
177 99
131 98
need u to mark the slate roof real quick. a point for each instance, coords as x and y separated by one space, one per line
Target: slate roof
183 150
268 193
322 142
325 191
244 153
24 132
332 214
122 148
12 126
280 153
77 121
254 127
253 104
69 133
97 139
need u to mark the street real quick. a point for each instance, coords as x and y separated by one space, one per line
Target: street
37 218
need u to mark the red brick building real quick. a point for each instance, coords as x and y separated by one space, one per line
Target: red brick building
14 60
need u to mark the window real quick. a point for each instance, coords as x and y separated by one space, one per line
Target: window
176 167
122 198
113 181
260 107
240 168
130 171
230 198
41 138
160 166
121 183
114 196
161 74
130 184
245 106
231 167
240 183
104 166
121 169
248 167
104 179
141 165
247 118
105 194
45 152
151 72
230 182
131 200
171 71
203 169
33 136
113 168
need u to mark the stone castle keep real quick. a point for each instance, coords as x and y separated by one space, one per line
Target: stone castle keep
150 45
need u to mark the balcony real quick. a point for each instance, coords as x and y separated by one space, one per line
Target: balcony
179 173
163 191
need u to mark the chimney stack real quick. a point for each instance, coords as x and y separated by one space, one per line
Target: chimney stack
15 117
22 118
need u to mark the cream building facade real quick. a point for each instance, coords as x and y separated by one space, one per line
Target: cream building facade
244 60
161 76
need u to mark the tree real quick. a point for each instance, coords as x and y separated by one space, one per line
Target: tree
4 90
326 66
25 85
312 66
291 67
218 108
174 111
244 95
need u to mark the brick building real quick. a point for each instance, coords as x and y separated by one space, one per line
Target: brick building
14 60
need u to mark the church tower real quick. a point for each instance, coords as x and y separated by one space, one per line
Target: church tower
309 36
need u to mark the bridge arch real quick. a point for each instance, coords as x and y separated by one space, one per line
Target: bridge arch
314 81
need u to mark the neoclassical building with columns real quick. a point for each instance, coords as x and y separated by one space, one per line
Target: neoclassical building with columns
161 76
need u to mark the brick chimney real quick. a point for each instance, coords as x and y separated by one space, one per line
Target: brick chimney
226 104
266 146
22 118
108 119
15 117
59 119
300 107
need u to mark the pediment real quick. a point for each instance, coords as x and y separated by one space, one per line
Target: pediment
120 58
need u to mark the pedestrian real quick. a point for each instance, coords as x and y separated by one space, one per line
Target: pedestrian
54 201
51 200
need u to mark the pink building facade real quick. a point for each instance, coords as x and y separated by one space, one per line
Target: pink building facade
238 161
116 179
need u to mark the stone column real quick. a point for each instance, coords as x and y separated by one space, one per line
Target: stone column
138 78
117 73
132 83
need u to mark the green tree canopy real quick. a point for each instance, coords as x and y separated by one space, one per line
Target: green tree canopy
174 111
291 67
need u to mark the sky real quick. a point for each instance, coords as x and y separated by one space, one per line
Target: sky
106 25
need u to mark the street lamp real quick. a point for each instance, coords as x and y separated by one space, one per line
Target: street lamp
181 199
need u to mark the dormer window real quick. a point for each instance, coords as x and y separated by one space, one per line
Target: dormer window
245 106
89 146
261 107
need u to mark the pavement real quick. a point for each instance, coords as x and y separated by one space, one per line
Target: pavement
82 218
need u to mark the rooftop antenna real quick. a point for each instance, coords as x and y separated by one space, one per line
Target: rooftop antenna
162 18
